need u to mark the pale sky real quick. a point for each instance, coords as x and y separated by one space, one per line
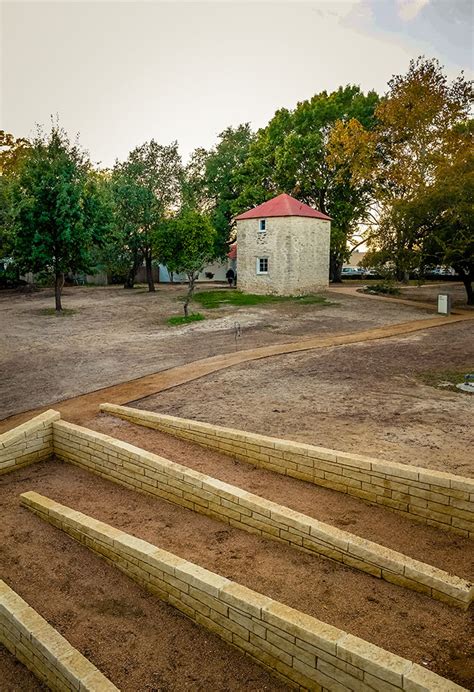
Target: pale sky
121 73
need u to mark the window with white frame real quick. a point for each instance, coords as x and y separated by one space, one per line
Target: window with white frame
262 265
262 226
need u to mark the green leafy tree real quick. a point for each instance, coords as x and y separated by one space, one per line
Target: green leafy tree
292 155
54 232
124 244
224 180
195 194
99 214
440 218
215 181
186 243
13 152
147 185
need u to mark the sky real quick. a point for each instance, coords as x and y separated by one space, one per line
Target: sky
121 73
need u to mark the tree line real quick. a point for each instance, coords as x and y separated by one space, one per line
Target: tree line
394 171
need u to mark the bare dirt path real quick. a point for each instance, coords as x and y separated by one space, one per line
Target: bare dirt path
108 336
82 408
424 296
142 644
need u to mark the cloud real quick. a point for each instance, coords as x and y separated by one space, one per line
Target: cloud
409 9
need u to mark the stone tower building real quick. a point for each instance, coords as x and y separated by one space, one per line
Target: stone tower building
283 248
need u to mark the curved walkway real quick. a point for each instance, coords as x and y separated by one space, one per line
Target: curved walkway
84 407
355 292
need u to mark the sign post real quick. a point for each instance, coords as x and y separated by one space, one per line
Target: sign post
444 304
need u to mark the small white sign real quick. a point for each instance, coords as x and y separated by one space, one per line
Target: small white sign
444 307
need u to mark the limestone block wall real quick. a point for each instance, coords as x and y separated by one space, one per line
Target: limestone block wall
43 650
297 249
148 473
27 443
308 653
432 497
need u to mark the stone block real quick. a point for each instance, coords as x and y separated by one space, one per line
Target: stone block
244 599
419 679
303 626
372 659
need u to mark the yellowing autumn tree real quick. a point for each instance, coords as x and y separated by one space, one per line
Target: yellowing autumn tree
419 131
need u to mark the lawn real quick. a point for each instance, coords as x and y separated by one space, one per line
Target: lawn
217 299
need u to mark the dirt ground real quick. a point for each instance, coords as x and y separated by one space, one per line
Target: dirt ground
116 335
429 293
15 677
452 553
142 644
136 640
366 398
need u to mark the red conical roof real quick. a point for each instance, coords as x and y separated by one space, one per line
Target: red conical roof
282 205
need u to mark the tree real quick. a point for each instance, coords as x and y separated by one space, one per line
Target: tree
147 185
12 152
186 243
420 128
124 243
441 216
292 155
224 181
215 179
54 233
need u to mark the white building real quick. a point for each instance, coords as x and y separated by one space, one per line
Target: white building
283 248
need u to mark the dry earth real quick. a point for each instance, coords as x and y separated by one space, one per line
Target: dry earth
452 553
143 644
365 398
116 335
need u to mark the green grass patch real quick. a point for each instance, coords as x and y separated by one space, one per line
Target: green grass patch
445 379
65 312
181 319
217 299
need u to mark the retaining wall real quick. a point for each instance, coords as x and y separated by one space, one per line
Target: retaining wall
305 651
432 497
27 443
146 472
43 650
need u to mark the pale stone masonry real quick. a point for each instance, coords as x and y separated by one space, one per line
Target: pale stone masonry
149 473
440 499
290 256
308 653
49 656
27 443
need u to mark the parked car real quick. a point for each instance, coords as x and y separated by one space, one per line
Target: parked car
446 273
352 272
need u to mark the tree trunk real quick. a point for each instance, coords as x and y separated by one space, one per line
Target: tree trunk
335 268
467 281
58 287
189 295
132 272
467 278
149 272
